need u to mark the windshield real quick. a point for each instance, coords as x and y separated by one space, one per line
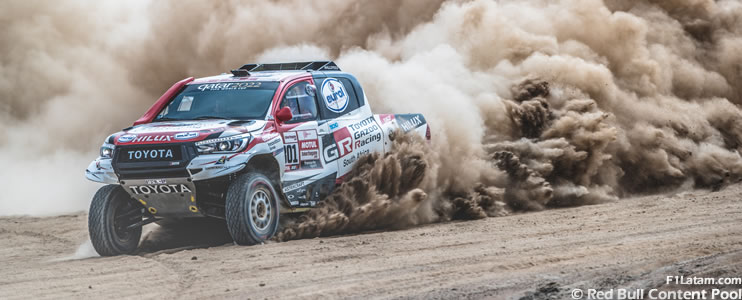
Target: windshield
225 100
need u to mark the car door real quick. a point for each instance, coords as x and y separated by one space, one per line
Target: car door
353 130
306 178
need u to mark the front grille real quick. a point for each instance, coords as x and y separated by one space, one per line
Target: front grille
151 153
152 161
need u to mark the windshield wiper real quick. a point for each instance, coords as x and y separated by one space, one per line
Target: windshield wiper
211 117
166 119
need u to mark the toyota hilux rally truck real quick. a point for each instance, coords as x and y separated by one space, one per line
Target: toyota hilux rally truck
245 147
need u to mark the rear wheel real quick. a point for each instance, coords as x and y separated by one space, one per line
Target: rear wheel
252 209
111 213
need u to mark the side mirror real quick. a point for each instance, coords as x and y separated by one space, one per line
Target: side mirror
284 114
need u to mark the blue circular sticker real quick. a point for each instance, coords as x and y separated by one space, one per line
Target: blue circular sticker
335 95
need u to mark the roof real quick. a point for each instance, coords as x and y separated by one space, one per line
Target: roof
254 76
271 71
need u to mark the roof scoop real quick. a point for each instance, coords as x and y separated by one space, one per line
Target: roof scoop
240 73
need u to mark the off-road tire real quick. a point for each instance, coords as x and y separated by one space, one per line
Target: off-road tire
106 239
251 218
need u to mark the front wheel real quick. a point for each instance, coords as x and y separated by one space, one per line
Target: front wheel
252 209
112 212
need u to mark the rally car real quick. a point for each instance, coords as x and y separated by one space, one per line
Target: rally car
245 147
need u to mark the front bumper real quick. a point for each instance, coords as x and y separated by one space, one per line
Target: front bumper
201 167
169 196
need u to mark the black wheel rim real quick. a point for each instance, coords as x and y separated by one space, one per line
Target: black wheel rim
125 214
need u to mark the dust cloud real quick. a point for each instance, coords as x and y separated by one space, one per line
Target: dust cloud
533 104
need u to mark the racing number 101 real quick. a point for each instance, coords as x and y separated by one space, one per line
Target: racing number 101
291 154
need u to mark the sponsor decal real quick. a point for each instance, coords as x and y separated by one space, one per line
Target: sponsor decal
360 133
309 154
360 142
223 139
127 138
352 159
159 189
153 138
294 186
333 125
156 181
307 135
344 141
185 103
269 136
363 123
185 135
330 150
386 118
225 86
335 95
410 122
273 144
150 154
311 90
311 164
176 127
308 145
290 137
221 160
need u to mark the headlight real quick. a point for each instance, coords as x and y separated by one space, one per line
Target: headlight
234 143
106 150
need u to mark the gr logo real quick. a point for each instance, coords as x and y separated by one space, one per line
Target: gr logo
329 149
344 141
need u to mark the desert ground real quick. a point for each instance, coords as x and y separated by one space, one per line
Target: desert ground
630 243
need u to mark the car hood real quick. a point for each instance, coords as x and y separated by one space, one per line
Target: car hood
184 131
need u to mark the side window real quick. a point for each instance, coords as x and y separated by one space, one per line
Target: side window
302 105
338 97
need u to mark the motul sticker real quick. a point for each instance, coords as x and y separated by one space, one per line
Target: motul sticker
305 145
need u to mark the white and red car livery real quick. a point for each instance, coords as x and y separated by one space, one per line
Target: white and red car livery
245 147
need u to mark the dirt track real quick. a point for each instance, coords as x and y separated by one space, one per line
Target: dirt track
630 243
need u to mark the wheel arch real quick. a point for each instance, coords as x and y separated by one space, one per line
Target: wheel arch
266 163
